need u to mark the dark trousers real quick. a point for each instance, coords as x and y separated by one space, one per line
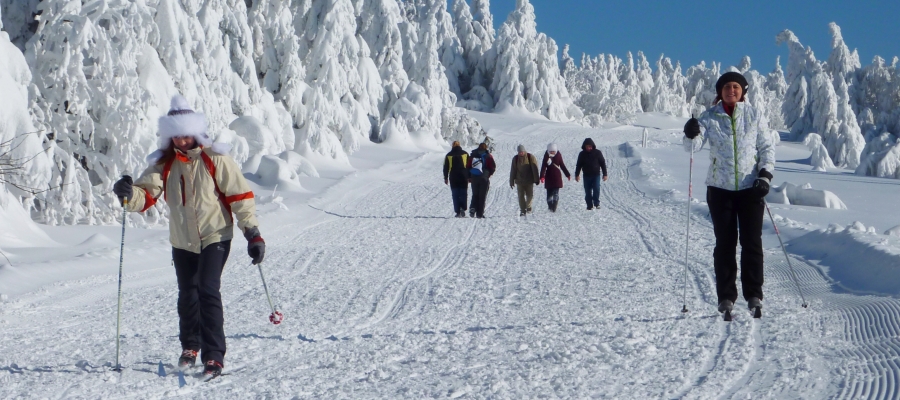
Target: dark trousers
737 214
460 195
552 198
592 190
200 315
480 187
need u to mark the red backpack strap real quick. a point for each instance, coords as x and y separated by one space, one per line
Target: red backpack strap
211 168
167 168
150 201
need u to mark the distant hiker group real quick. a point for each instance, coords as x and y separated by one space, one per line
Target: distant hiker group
461 169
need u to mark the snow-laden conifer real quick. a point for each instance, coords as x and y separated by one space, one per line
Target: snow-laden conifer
797 105
379 26
819 158
476 44
776 87
527 72
842 63
344 83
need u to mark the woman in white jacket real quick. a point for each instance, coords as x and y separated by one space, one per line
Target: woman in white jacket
742 156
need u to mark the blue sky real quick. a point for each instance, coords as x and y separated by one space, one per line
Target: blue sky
724 31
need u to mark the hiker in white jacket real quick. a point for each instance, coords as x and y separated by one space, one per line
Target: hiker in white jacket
742 157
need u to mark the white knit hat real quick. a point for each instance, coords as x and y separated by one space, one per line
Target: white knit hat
552 147
181 120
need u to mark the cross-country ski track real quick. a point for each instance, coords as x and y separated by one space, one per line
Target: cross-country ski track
386 296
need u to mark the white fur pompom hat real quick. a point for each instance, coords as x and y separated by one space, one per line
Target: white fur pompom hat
181 120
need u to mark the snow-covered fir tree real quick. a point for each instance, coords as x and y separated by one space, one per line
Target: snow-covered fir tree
379 25
796 106
527 73
842 63
476 42
777 87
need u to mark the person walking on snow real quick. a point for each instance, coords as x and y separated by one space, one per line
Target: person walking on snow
742 156
552 170
456 175
481 166
592 162
523 174
204 190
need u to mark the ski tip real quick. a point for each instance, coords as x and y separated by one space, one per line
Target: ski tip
162 370
181 381
727 316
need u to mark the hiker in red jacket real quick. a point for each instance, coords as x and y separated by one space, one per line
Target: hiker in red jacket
552 170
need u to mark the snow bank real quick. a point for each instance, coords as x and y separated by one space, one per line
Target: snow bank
789 193
26 232
852 258
895 231
272 171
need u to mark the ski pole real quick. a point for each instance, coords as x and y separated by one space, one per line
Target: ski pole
793 275
687 234
119 307
276 316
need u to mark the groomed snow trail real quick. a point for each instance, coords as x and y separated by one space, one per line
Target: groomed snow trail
386 296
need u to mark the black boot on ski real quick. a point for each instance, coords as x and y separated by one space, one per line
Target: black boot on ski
212 369
755 306
188 359
725 306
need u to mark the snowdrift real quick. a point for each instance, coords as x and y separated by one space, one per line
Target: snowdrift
852 258
805 195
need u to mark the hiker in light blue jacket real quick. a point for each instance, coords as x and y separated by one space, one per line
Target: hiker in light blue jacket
742 156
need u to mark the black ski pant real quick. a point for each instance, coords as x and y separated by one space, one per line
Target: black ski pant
480 187
459 194
592 190
552 198
737 214
200 316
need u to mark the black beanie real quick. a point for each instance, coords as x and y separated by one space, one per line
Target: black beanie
731 77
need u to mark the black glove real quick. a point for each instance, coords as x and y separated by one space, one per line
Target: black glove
692 128
256 246
761 184
123 189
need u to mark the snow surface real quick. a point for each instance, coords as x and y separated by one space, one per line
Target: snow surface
386 296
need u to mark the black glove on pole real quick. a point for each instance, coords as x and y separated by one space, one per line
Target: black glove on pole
761 184
692 128
256 246
123 188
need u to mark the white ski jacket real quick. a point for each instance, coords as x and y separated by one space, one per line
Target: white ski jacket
739 146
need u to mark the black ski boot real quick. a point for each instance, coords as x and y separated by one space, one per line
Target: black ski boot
472 213
725 306
188 359
212 369
755 306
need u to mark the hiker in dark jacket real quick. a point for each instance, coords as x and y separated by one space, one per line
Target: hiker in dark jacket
523 173
481 166
457 176
592 162
552 170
